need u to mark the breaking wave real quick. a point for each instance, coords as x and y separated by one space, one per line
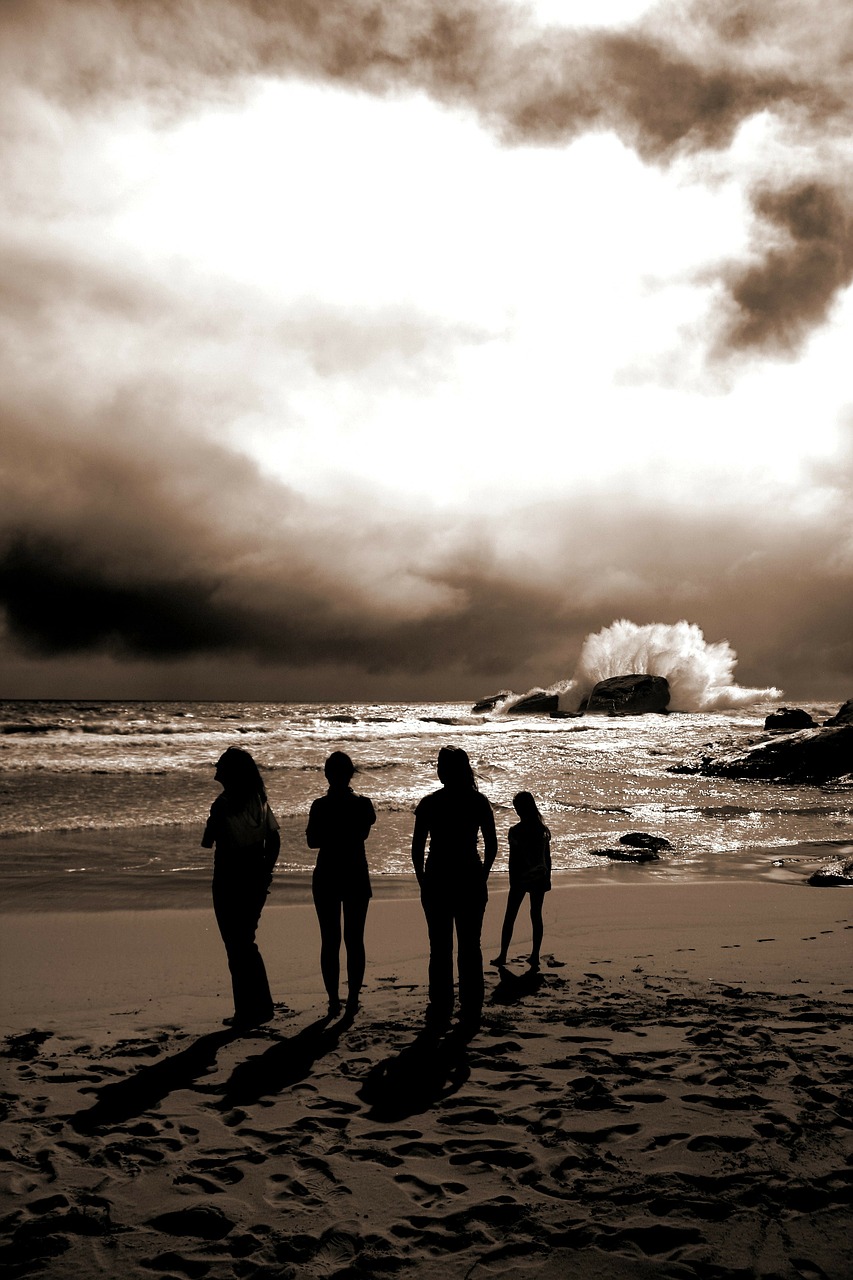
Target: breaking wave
700 675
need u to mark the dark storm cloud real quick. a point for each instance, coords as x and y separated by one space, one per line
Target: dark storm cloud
107 552
792 286
679 83
111 554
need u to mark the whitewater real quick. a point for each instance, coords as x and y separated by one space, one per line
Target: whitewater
700 675
102 804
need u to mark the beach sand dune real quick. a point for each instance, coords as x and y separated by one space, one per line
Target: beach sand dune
669 1097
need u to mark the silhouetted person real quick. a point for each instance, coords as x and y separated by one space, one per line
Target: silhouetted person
453 884
529 872
338 825
244 830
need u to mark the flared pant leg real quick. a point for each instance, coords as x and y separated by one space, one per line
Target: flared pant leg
458 908
238 906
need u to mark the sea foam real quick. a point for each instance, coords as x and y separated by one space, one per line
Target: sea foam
700 674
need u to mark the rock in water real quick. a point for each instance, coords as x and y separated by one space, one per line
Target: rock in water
643 840
629 695
537 703
490 701
837 872
844 714
789 719
810 756
627 855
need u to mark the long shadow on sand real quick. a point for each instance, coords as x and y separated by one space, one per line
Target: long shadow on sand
513 987
126 1099
417 1077
287 1062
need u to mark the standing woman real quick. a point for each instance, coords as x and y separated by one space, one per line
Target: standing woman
529 872
338 825
244 830
453 884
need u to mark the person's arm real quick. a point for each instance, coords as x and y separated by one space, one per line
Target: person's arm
272 840
272 846
209 838
490 837
419 839
313 832
368 816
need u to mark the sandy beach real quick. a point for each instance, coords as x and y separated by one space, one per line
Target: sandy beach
669 1097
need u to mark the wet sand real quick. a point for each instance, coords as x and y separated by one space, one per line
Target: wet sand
668 1097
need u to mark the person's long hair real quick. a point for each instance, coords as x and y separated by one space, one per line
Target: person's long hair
528 810
240 775
454 768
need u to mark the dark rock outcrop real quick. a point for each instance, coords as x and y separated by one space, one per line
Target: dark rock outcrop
810 756
632 695
844 714
790 719
490 701
643 840
533 704
627 855
837 872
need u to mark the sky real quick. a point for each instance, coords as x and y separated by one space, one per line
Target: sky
359 349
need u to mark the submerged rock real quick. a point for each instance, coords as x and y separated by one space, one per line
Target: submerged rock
790 719
844 714
809 756
632 695
537 703
837 872
627 855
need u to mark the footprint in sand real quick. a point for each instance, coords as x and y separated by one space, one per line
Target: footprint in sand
312 1183
595 1137
171 1260
719 1142
746 1101
655 1240
429 1194
216 1173
492 1154
662 1140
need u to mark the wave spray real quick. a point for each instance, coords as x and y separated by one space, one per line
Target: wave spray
699 674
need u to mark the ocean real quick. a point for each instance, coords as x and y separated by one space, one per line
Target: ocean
102 804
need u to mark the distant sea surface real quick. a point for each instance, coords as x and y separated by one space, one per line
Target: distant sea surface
102 804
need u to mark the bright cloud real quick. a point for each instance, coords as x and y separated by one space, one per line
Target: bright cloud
360 339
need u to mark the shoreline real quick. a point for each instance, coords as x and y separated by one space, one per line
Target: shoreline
168 965
57 891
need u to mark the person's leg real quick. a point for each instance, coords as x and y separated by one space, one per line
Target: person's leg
238 909
537 897
439 918
355 915
513 902
470 908
328 908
